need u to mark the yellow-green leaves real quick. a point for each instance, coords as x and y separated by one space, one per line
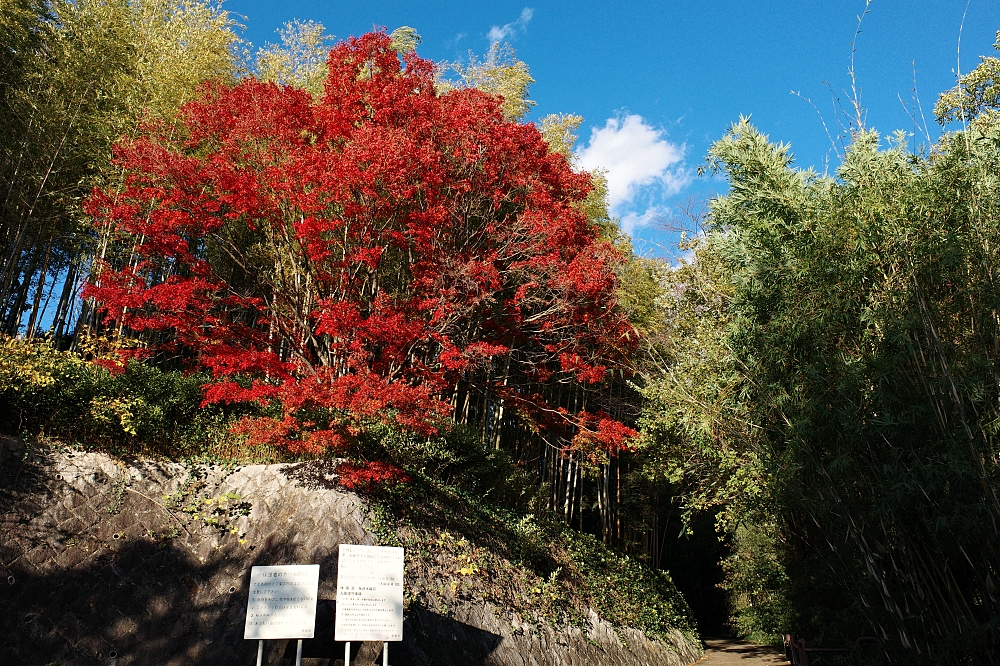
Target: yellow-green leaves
178 46
976 98
404 39
499 72
300 59
558 130
147 56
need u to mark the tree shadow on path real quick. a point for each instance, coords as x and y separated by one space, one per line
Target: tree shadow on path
731 652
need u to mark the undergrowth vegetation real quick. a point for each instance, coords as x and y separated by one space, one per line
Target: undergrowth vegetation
525 560
143 410
474 504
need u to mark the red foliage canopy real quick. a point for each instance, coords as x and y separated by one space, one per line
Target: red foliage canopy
351 257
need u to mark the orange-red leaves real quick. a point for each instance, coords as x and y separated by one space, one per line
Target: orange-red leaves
349 259
373 473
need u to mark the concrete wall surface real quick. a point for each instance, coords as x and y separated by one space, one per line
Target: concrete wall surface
147 563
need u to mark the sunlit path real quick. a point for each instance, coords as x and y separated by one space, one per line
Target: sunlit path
728 652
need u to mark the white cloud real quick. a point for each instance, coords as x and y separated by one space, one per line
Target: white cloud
632 220
508 30
641 165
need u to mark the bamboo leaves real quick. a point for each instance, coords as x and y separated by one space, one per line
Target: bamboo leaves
82 75
847 360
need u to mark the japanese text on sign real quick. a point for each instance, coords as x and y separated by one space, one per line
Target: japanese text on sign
282 602
369 593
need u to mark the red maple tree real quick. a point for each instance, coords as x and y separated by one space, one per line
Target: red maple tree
350 258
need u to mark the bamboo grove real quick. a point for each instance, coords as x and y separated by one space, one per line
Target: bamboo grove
829 381
332 240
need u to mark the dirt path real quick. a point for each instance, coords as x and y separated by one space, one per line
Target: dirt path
727 652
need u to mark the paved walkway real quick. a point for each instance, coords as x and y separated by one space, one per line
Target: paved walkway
727 652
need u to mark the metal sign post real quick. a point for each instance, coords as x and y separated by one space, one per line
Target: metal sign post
282 604
369 596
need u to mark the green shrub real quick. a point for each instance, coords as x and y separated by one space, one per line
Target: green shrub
625 591
42 388
54 393
534 563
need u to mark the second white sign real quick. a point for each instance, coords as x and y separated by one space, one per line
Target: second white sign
369 593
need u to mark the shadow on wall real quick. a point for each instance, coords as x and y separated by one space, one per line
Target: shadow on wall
79 583
428 638
152 606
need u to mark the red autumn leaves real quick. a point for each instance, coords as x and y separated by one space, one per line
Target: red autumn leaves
349 259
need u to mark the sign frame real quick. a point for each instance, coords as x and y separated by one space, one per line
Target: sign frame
369 593
281 602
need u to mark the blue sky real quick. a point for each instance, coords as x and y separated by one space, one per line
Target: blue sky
657 82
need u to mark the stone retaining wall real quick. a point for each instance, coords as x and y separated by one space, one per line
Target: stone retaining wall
140 562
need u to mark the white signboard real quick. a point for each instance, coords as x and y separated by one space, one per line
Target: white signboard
369 593
282 602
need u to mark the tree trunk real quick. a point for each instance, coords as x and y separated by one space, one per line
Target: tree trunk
35 316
